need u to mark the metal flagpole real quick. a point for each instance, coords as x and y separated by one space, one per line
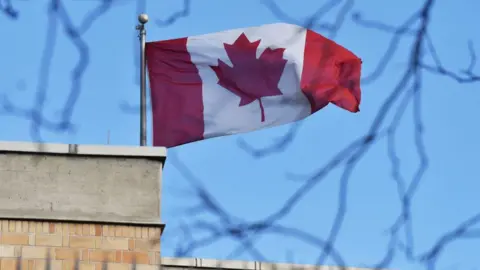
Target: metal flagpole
143 19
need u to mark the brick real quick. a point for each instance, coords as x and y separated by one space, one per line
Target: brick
133 232
85 229
98 266
118 266
71 229
144 233
85 256
101 256
66 254
65 229
51 228
111 231
54 265
98 230
58 228
138 232
128 231
151 257
30 264
12 264
138 257
8 264
18 226
154 257
38 227
31 226
18 251
92 229
114 243
31 239
45 226
118 256
105 230
153 232
65 240
7 251
146 245
48 240
131 244
34 252
11 226
14 238
4 226
155 240
78 229
86 266
25 226
147 267
68 265
118 231
98 241
82 242
141 245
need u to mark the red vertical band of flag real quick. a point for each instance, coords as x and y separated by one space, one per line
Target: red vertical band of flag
176 93
330 73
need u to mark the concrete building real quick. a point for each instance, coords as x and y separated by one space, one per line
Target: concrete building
63 203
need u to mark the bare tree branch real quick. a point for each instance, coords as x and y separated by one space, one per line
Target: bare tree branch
184 12
7 9
407 90
57 14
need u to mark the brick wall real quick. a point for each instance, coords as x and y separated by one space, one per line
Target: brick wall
92 244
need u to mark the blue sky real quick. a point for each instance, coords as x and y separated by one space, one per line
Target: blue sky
252 188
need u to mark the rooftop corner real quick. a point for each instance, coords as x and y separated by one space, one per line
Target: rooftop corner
70 182
87 150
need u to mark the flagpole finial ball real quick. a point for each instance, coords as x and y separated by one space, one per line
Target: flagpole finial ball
143 18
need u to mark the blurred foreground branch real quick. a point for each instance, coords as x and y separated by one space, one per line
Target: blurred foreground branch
408 90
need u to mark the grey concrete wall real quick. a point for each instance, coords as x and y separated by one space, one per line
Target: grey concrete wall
49 184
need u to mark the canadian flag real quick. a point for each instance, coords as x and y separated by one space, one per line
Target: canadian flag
245 79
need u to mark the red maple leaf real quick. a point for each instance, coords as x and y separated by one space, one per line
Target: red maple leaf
251 78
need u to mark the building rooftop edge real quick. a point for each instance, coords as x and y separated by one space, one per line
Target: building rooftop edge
83 149
245 265
83 219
